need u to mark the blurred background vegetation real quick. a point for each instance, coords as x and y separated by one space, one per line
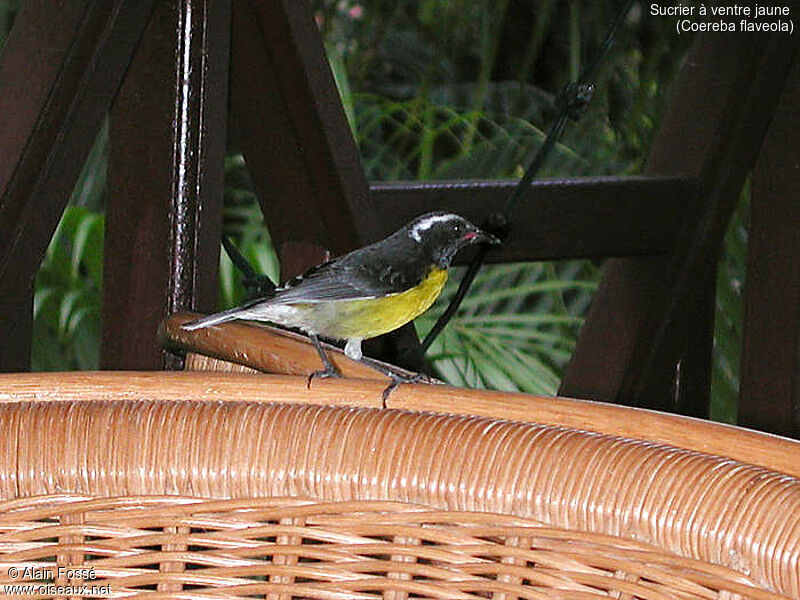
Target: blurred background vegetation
443 89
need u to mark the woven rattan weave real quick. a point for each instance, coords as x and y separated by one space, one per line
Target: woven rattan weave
202 499
291 548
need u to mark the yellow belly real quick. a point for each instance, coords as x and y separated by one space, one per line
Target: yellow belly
365 319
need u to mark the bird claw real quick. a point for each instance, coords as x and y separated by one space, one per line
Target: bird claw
398 379
328 373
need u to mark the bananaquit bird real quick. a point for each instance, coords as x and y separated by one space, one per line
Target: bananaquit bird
368 292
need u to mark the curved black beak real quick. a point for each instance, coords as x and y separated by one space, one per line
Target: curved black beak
481 237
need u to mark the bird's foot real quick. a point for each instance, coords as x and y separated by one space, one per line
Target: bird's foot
330 371
398 379
330 368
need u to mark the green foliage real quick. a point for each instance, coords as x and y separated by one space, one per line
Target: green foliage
465 89
517 328
437 94
66 305
68 292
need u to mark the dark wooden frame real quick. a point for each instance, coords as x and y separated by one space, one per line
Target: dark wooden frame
649 331
52 100
770 380
166 180
647 340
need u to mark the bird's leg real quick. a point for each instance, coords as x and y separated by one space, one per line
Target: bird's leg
330 368
353 351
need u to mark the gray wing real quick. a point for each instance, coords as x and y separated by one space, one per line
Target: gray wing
360 275
343 280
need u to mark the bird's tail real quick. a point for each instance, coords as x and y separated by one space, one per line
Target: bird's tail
215 319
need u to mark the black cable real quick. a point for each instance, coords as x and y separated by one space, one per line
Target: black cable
239 261
255 285
572 103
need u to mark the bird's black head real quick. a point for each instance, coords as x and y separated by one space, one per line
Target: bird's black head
441 235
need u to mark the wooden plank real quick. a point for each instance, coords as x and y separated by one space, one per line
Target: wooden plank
768 451
566 218
692 381
53 97
166 173
770 372
287 118
723 102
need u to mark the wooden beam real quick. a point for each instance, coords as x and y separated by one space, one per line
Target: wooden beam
166 180
17 323
690 394
770 372
564 218
287 119
723 102
59 72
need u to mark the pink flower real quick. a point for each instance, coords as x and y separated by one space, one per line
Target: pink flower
356 11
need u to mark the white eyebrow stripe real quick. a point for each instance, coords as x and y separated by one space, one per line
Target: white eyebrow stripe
427 223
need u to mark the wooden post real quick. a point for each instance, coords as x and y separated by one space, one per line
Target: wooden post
59 71
639 325
165 180
770 373
287 118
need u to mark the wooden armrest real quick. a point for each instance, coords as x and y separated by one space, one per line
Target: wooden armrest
263 348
